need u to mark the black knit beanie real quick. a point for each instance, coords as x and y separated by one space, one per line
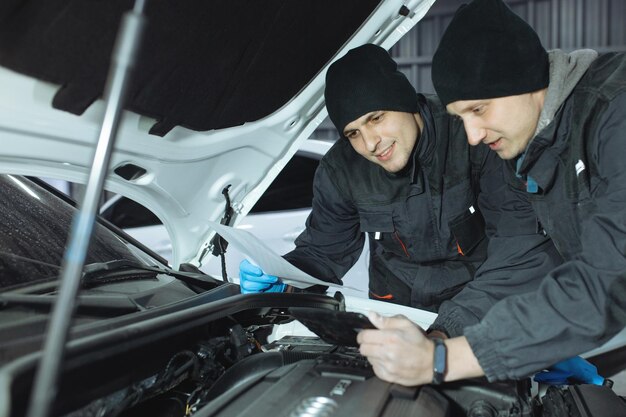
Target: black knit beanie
366 79
488 51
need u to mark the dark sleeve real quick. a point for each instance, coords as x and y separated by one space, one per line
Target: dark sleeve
518 257
576 308
332 241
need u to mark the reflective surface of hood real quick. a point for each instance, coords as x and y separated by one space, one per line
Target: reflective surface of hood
224 96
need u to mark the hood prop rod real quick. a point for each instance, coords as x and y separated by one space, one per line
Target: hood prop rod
45 385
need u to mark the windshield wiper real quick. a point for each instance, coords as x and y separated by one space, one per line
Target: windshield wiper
104 272
99 273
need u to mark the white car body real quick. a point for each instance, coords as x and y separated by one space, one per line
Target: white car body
277 228
186 170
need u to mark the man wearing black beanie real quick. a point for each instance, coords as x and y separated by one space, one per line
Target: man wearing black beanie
404 174
559 122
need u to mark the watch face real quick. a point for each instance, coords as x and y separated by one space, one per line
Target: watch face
439 362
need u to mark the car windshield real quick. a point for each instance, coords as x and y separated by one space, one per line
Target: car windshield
34 229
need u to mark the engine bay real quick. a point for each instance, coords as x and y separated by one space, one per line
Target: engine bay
221 359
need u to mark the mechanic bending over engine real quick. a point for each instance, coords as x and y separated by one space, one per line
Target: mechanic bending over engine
404 174
559 122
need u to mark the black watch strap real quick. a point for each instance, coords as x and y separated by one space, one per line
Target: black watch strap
439 361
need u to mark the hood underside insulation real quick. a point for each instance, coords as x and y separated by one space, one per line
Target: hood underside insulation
203 64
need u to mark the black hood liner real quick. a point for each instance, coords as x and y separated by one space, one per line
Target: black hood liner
204 64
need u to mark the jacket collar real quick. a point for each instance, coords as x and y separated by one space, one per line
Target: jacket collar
539 162
536 166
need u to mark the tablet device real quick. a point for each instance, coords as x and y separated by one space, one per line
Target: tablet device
334 327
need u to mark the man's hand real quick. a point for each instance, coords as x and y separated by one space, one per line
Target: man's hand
399 350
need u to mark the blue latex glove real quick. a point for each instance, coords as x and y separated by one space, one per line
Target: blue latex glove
252 279
573 370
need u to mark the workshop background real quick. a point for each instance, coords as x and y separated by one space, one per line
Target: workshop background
562 24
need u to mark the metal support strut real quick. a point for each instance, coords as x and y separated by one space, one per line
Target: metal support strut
122 61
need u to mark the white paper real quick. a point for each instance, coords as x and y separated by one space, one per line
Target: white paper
269 261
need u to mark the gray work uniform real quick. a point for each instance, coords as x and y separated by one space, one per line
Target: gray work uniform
578 163
426 230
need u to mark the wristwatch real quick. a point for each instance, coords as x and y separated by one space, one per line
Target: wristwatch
439 361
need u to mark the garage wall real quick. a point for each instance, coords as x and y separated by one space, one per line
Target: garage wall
563 24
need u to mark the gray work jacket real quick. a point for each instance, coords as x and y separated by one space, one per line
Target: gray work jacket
425 224
578 162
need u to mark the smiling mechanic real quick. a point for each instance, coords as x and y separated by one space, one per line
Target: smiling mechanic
405 175
559 121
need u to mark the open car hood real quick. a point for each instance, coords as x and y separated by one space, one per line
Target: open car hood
223 94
